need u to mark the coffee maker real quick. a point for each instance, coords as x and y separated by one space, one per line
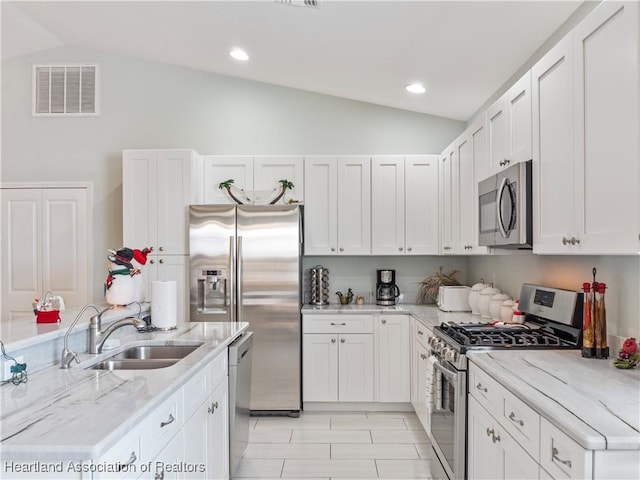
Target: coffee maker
387 292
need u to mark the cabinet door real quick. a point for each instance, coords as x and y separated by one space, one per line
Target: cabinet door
518 100
321 205
606 136
554 176
466 195
319 367
164 464
394 359
479 156
446 201
355 368
497 131
218 433
421 204
218 169
139 198
387 205
195 446
483 457
423 385
173 198
354 206
268 171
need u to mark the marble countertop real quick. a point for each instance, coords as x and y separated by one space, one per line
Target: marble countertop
79 413
593 402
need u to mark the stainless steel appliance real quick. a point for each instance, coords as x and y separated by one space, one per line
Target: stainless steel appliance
387 292
239 398
245 266
553 321
505 216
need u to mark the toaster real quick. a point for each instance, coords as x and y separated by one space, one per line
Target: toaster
454 299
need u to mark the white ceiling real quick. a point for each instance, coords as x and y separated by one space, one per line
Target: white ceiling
363 50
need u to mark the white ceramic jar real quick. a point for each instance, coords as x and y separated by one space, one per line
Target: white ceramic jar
474 296
496 304
506 311
484 301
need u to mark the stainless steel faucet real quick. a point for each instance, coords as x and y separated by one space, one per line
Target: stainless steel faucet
97 336
67 356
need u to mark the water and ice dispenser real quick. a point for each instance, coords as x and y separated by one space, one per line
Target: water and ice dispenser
212 289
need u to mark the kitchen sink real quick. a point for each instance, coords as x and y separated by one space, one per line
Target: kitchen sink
146 357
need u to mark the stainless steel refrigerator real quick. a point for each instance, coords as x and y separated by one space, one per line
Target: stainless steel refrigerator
245 266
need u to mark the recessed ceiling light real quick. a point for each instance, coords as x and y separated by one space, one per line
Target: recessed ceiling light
239 54
415 88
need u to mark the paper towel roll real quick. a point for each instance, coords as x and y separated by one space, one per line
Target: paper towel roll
164 304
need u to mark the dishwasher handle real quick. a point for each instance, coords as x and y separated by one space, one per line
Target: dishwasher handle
239 349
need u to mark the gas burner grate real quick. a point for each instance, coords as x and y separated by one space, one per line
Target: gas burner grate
490 336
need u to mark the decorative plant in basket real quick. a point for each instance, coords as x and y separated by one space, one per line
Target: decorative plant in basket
429 287
229 187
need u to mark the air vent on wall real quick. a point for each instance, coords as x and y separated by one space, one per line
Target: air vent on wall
301 3
65 90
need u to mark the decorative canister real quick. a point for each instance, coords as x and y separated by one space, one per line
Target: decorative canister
506 311
474 296
484 301
495 305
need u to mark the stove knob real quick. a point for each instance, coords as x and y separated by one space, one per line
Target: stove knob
445 352
454 356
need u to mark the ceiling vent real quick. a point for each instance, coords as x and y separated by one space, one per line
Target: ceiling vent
301 3
65 90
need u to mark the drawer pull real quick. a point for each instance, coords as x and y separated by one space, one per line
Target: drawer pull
481 388
132 460
554 456
168 422
420 332
338 324
512 417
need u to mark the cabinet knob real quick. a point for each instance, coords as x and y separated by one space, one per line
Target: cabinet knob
384 320
409 249
505 162
574 240
161 249
423 356
333 249
333 340
341 249
161 261
213 407
152 262
565 241
342 340
400 249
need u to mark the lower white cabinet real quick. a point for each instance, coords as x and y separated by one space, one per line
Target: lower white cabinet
492 453
422 375
394 358
337 358
167 465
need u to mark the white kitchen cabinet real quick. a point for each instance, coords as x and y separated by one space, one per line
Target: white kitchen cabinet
449 207
46 238
157 187
404 205
218 432
337 205
509 128
586 173
492 453
421 204
394 358
259 174
422 374
337 358
387 205
166 465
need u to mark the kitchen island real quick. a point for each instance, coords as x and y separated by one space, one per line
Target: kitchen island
81 415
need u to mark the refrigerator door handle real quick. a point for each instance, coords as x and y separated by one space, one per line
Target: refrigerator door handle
232 280
239 281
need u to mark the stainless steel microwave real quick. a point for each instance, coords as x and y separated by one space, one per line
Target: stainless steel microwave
505 217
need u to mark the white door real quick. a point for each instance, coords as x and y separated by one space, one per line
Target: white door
45 246
480 155
421 204
355 368
606 136
423 381
497 131
321 205
354 205
483 457
269 170
518 99
170 455
466 195
387 205
319 367
554 176
446 201
195 448
218 433
218 169
394 360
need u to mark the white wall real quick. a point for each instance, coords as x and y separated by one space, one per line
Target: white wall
620 273
151 105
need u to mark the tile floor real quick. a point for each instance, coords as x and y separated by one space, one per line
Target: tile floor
340 446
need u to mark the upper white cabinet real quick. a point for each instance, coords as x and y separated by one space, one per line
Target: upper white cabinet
256 175
157 187
449 207
404 203
509 128
337 205
585 117
46 233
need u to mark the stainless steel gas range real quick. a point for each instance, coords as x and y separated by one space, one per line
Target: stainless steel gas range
553 321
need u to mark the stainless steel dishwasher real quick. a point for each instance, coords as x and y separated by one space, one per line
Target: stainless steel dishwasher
239 398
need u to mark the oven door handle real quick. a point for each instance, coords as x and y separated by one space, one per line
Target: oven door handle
452 377
503 230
